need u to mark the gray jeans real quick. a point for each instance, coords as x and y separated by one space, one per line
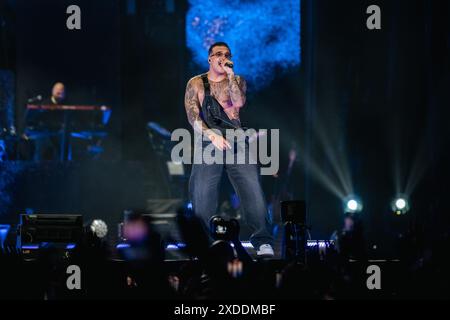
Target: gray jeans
204 193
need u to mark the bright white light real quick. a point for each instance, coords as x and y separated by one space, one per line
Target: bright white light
352 205
99 227
400 204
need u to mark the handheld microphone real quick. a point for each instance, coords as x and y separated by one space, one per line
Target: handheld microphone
229 64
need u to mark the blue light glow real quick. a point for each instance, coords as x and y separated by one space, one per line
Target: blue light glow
30 247
264 35
69 246
4 229
170 246
9 170
123 245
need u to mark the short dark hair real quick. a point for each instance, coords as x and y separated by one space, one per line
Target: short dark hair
218 44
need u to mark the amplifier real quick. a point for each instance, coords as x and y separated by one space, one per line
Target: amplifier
38 228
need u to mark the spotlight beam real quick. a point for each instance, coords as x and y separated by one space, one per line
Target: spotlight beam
418 169
321 177
337 159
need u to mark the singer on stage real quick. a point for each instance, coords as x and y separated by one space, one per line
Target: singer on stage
221 90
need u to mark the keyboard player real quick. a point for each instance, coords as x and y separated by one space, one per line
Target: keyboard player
61 130
58 94
49 124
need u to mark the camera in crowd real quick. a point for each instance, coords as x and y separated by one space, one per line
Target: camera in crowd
222 229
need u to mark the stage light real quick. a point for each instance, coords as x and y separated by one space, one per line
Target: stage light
99 228
352 204
95 232
400 205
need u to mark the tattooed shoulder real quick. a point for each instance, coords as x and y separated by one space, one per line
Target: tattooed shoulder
194 82
192 88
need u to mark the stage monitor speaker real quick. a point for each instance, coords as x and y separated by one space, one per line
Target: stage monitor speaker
60 228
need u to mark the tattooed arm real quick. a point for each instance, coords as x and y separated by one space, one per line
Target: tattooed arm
192 106
237 87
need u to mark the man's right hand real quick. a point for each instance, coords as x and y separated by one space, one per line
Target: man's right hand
219 141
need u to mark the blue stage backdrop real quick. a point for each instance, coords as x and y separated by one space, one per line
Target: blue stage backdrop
264 35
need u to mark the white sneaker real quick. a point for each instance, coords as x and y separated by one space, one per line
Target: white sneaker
265 250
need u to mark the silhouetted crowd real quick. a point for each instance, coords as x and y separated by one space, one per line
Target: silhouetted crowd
220 269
